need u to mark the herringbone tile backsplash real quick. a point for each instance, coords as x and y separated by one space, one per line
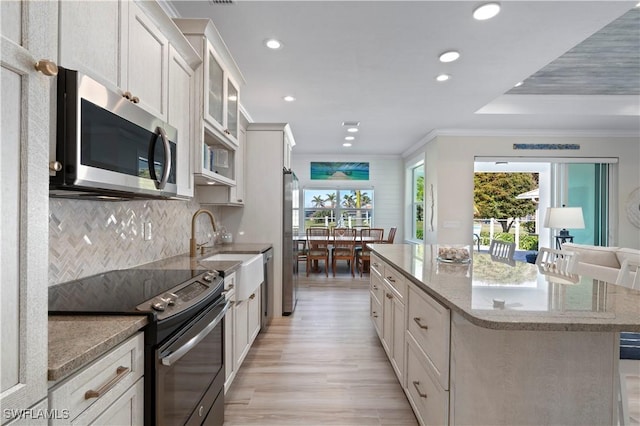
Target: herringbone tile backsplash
91 237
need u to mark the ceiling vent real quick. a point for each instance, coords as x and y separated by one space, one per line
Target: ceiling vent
214 2
351 123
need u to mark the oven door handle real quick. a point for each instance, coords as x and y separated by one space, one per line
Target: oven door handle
180 352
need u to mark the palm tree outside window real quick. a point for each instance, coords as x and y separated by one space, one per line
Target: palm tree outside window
338 208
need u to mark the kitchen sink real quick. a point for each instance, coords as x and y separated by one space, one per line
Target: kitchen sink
250 274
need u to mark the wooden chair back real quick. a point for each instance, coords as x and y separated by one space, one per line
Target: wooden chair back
318 247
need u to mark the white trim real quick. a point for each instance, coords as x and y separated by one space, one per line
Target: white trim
413 149
169 8
520 159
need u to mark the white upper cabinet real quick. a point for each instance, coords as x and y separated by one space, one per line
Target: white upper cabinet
147 63
217 155
181 109
221 95
90 39
135 49
116 43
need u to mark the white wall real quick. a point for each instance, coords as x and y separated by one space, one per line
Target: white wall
449 164
386 178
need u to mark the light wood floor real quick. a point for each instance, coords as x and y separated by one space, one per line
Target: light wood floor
324 365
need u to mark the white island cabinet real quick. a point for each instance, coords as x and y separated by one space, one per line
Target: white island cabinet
29 35
547 353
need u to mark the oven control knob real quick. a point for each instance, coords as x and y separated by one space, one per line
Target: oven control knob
169 299
208 277
158 306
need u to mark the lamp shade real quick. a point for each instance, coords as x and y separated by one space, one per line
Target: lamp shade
564 217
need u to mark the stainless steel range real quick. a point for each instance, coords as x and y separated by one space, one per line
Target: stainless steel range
184 341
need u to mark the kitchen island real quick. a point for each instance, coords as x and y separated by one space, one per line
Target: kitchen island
494 343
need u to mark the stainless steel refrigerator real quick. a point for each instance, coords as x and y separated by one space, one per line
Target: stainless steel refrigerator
289 278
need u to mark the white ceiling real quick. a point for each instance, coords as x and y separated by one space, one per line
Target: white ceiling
375 62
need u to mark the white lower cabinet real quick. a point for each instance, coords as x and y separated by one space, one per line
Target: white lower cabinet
242 325
430 402
108 391
229 331
415 333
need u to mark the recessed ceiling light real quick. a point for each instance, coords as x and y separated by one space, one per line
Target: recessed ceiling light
443 77
272 43
486 11
211 183
233 98
518 84
349 138
352 130
347 144
289 98
449 56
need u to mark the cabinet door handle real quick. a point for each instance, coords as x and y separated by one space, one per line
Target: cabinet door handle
389 296
135 99
375 288
375 264
415 385
127 95
121 372
417 320
253 296
46 67
375 314
391 279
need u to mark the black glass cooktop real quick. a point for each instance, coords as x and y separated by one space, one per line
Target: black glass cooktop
115 291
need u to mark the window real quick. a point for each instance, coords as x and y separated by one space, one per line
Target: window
351 208
417 196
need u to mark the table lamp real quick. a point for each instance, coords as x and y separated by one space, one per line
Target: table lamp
564 217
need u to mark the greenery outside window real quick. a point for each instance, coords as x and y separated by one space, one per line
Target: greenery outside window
351 208
417 196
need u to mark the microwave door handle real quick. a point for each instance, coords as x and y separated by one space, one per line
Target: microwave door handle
167 156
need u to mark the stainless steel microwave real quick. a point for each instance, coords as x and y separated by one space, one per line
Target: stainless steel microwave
109 147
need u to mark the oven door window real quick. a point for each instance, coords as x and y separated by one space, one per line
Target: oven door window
110 142
182 385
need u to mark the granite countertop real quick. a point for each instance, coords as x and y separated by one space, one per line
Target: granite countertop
527 299
184 261
74 341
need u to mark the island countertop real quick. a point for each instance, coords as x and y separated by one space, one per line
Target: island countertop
515 296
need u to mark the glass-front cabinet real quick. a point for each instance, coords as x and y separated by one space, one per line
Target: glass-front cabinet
214 105
218 156
222 96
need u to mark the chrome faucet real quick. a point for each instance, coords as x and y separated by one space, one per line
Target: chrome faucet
193 246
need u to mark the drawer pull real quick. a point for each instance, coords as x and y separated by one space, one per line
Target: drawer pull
417 320
375 288
389 296
253 296
121 372
390 278
375 264
415 385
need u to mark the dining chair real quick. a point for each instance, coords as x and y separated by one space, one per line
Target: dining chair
301 253
502 250
367 236
318 247
391 236
629 362
344 245
558 261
